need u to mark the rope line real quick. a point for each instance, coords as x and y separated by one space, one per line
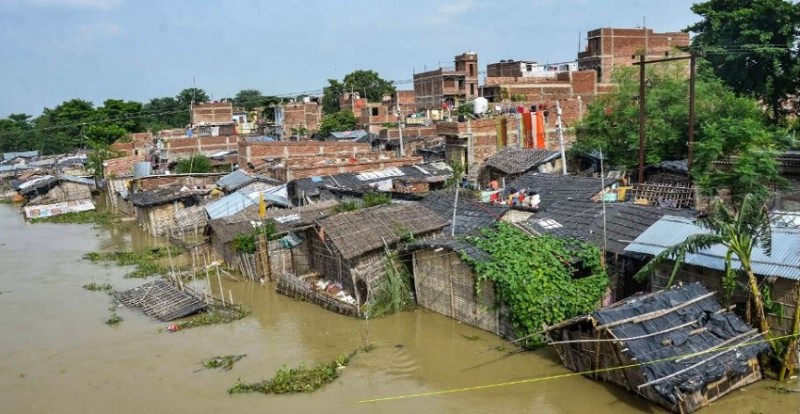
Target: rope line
573 374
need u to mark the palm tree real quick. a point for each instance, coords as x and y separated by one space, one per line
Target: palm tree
740 231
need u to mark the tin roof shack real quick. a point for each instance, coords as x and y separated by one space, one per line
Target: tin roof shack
289 256
624 222
510 163
410 179
444 283
677 348
49 189
778 272
158 199
349 248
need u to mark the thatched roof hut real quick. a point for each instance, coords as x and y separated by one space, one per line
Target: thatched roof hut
678 347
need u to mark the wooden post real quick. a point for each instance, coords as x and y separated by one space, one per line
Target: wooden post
221 292
641 117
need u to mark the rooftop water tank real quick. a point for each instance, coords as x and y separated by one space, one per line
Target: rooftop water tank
142 169
480 105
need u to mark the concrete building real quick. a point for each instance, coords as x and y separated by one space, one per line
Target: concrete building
528 69
608 48
447 86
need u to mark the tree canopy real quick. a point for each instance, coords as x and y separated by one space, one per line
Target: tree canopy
343 120
367 83
198 163
729 128
249 99
752 46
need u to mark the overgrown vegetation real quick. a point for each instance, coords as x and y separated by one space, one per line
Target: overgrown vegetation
373 199
145 261
536 277
114 319
394 294
246 242
216 315
346 205
458 172
224 363
294 380
98 287
103 218
198 164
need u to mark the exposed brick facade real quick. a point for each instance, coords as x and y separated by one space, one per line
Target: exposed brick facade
450 85
299 115
608 48
212 113
120 167
250 151
186 147
294 169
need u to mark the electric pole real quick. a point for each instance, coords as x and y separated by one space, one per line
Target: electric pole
561 138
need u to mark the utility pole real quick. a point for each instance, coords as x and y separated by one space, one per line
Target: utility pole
400 129
561 138
641 118
690 133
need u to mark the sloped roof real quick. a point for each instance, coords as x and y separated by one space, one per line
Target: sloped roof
242 199
227 228
357 232
235 180
584 220
160 195
456 245
361 181
471 214
517 161
349 135
22 154
784 262
722 330
553 188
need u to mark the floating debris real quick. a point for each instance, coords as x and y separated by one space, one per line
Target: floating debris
224 363
163 301
98 287
215 315
294 380
146 261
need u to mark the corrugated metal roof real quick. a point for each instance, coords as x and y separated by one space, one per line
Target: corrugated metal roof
235 180
24 154
784 261
78 180
240 200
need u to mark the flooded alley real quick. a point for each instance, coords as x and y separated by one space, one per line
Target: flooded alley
58 355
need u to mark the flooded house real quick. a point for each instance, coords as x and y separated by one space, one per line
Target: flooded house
777 271
158 199
350 248
677 347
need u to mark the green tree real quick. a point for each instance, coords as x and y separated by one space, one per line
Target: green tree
100 152
752 46
249 99
331 95
729 128
165 113
63 126
369 84
15 133
343 120
739 231
195 164
127 115
105 134
189 95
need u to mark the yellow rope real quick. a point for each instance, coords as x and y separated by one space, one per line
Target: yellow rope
570 374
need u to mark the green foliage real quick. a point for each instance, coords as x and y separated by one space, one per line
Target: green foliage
104 134
145 261
372 199
216 315
465 109
246 242
165 113
369 84
81 217
346 205
224 363
729 128
249 99
98 287
344 120
458 172
100 152
394 293
114 319
331 95
189 95
533 277
294 380
752 46
196 164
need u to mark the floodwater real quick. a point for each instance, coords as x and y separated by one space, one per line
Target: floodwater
58 356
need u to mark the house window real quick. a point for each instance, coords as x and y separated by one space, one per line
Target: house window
472 89
471 70
529 67
374 111
461 84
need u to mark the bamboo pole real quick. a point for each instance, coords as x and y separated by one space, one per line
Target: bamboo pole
719 345
221 292
655 314
230 297
791 349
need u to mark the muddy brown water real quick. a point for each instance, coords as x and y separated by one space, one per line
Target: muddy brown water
58 356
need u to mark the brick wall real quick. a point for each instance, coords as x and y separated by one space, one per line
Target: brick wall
301 115
249 151
185 147
191 181
409 132
121 167
296 169
212 113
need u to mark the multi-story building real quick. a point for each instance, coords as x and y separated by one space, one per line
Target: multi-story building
608 48
448 87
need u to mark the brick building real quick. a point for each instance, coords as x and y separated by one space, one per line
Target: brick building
297 119
373 116
609 47
212 119
252 154
450 86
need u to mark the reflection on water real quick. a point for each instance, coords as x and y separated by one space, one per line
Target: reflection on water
57 355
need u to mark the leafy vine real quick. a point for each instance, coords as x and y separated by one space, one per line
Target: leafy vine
542 280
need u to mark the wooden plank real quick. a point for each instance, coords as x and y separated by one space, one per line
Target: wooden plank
655 314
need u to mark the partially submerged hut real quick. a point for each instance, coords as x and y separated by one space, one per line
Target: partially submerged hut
348 248
156 209
677 348
445 284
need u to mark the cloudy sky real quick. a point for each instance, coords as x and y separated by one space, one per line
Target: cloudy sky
54 50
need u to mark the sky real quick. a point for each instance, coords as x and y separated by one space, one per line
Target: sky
56 50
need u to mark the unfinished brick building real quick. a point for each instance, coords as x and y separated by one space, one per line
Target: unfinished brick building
447 86
297 120
608 48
